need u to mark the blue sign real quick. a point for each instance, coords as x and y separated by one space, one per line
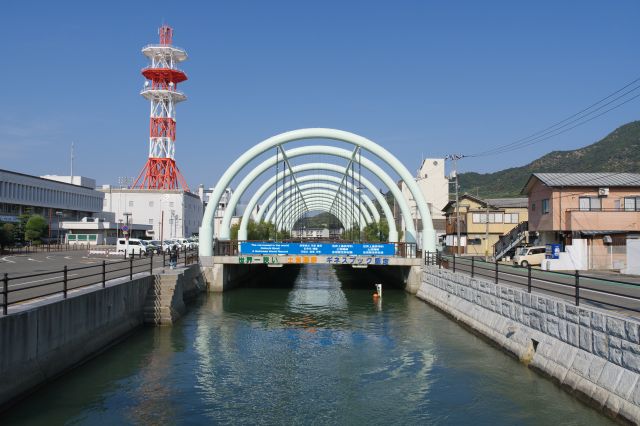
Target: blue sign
552 251
337 249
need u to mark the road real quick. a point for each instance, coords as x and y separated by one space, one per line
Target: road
606 290
34 276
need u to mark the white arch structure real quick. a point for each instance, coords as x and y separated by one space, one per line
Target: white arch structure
315 193
325 150
320 182
393 233
207 231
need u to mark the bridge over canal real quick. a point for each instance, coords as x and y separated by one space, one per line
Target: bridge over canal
295 174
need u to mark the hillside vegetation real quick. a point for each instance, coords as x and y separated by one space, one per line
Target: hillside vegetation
617 152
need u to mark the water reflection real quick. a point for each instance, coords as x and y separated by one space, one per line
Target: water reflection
319 352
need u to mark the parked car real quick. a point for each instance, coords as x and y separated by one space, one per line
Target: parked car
153 246
167 244
526 256
185 243
135 246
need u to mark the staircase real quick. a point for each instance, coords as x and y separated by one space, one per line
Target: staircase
508 241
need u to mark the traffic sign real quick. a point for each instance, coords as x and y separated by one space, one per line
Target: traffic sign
125 228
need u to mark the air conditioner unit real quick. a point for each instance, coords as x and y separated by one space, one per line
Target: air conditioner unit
603 192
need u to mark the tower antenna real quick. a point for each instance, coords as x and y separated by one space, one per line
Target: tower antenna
161 89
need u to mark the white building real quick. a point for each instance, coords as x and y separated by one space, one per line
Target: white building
205 195
99 231
56 201
172 213
434 185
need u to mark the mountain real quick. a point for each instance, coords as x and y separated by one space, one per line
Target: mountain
619 151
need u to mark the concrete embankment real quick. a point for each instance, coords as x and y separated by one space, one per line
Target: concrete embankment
591 353
39 344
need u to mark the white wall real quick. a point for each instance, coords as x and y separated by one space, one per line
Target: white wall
434 186
17 188
182 211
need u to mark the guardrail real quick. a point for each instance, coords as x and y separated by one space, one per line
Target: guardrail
577 286
25 288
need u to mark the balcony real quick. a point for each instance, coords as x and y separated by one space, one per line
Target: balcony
602 220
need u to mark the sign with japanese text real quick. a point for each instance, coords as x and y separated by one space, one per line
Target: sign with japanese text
317 249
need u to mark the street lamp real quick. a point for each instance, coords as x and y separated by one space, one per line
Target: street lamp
59 214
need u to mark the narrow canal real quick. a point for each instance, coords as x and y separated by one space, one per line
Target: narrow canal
317 352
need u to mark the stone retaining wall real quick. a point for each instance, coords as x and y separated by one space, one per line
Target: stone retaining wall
39 344
590 352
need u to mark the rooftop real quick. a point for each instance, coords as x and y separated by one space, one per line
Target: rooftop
584 179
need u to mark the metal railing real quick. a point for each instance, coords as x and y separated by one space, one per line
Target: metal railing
25 288
577 286
232 247
507 241
603 209
41 248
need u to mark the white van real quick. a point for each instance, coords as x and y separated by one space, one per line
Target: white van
136 246
526 256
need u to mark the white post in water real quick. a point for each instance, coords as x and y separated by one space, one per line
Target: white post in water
379 289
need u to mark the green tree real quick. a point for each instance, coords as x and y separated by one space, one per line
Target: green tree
35 228
7 237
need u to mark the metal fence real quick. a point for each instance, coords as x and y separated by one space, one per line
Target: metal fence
41 248
18 288
604 292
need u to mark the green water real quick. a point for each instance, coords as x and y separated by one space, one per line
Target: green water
316 353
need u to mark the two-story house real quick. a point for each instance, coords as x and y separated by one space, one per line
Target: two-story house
596 213
482 222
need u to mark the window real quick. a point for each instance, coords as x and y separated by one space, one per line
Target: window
479 218
589 204
171 204
130 203
150 221
474 241
150 203
545 206
511 218
495 218
482 218
632 204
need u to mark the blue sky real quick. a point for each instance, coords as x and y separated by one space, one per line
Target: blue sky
419 77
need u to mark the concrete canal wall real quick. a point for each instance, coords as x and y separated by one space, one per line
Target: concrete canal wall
590 352
39 344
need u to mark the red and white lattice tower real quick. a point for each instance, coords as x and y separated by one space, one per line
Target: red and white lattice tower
161 89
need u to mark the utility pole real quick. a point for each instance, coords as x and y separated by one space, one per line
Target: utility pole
486 235
455 158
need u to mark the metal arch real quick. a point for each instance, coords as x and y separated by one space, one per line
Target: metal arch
311 191
289 202
323 204
324 150
206 230
319 205
320 178
393 233
316 201
320 181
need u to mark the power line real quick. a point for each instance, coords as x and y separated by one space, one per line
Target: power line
557 128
